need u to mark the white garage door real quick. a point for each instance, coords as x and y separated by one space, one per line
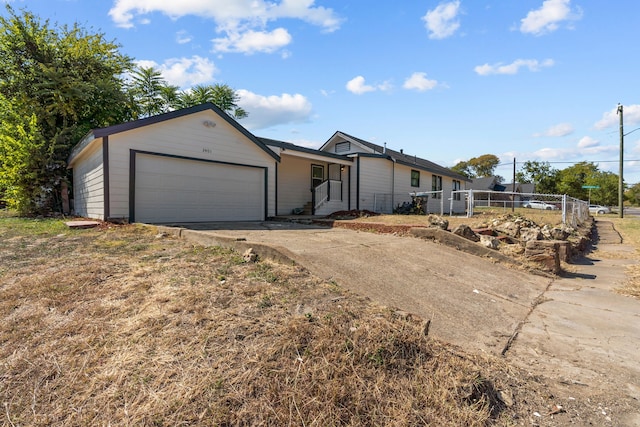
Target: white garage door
179 190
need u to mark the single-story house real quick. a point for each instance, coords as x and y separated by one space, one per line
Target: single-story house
198 164
487 191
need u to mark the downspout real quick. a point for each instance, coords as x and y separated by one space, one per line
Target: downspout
358 184
393 183
276 192
105 166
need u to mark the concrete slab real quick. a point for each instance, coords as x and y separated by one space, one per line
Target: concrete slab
82 224
584 333
471 301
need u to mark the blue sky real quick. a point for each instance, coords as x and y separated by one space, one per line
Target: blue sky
444 80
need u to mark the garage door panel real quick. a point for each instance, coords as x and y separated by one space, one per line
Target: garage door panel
180 190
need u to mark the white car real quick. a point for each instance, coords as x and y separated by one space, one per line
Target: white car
537 204
597 209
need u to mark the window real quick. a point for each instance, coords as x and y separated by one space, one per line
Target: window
457 185
415 178
342 147
436 185
317 175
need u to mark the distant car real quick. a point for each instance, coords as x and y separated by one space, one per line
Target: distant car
537 204
597 209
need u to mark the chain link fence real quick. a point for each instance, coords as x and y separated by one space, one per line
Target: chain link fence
574 211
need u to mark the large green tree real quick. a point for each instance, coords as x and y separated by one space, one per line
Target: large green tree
477 167
66 81
571 181
539 173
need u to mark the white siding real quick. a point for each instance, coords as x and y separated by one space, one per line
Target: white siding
184 136
294 183
376 178
88 183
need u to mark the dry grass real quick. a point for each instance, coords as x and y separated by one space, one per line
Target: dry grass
480 219
629 229
120 326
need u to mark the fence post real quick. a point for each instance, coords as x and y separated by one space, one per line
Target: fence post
564 209
470 204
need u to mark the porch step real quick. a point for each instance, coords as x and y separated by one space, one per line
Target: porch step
307 209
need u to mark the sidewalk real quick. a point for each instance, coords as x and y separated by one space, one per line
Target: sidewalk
585 336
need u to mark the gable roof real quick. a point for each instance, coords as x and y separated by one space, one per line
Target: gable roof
127 126
401 157
293 147
484 183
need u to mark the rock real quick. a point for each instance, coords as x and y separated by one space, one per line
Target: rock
530 233
556 233
437 221
512 250
510 228
489 242
465 231
249 255
546 253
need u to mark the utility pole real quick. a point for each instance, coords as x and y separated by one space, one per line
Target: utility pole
620 178
513 189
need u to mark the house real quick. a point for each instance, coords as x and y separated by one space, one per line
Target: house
490 191
199 165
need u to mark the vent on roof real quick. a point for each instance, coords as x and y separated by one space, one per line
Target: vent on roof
401 151
343 147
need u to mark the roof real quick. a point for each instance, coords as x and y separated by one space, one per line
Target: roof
127 126
403 158
484 183
293 147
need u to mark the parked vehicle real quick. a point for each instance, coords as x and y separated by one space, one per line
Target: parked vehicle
537 204
597 209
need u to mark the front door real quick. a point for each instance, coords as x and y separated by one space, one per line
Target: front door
317 175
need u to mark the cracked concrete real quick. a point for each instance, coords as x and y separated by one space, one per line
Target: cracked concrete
585 333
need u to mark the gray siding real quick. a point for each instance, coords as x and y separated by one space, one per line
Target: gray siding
88 183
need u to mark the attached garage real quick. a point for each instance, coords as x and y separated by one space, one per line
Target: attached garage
191 165
169 189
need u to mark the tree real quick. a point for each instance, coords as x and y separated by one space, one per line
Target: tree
463 169
484 165
222 95
21 147
151 92
477 167
572 179
65 81
633 194
539 173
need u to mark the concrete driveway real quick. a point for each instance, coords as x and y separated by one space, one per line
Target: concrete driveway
471 301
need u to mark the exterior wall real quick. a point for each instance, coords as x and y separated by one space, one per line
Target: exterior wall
88 183
294 183
376 178
188 137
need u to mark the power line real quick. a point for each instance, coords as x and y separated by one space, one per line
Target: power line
569 162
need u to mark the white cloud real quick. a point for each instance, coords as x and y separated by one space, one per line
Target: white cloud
184 72
630 116
514 67
441 22
242 23
418 81
182 37
268 111
358 86
251 41
588 142
548 18
561 129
